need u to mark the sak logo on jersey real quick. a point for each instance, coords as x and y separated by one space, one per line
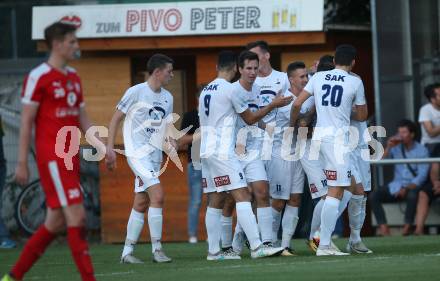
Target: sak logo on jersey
331 175
222 180
211 87
338 78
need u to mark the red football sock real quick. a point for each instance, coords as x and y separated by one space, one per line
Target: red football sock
33 249
76 237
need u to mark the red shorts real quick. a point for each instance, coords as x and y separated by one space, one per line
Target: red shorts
61 186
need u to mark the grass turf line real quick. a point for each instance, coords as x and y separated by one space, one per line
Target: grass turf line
395 258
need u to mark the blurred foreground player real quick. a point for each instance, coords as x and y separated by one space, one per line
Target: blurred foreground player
52 99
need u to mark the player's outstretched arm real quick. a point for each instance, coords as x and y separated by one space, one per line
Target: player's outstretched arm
296 107
252 117
361 113
110 157
28 114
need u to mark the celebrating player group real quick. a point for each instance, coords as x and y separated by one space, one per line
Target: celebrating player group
260 137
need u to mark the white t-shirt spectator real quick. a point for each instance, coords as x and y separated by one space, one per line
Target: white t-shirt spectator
429 113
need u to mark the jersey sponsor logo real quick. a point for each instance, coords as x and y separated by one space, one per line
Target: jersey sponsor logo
222 180
330 77
66 112
313 188
204 183
331 175
74 193
157 113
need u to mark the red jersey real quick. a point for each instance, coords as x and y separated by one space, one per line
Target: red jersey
59 98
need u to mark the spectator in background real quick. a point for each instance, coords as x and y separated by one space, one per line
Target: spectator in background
408 178
5 240
427 194
191 118
429 117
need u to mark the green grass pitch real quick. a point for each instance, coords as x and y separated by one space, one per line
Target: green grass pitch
395 258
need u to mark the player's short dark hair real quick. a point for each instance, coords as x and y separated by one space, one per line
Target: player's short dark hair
246 55
260 43
410 125
226 60
294 66
158 61
57 31
345 54
325 63
430 90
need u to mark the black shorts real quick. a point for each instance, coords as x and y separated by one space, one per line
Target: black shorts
427 188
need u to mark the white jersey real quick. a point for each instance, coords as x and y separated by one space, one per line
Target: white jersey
254 140
282 121
146 117
429 113
335 93
270 85
218 112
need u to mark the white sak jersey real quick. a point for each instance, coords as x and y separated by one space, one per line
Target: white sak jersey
270 85
219 109
335 91
253 100
147 114
282 121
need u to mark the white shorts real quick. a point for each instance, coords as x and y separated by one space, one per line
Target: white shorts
207 184
254 170
222 175
336 164
361 169
315 174
146 172
285 178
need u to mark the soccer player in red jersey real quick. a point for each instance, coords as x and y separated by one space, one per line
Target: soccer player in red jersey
53 102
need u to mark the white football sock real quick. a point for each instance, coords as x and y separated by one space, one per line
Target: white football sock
290 220
316 219
344 201
134 228
363 210
276 221
264 217
246 219
226 235
237 244
354 217
155 222
329 216
213 229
